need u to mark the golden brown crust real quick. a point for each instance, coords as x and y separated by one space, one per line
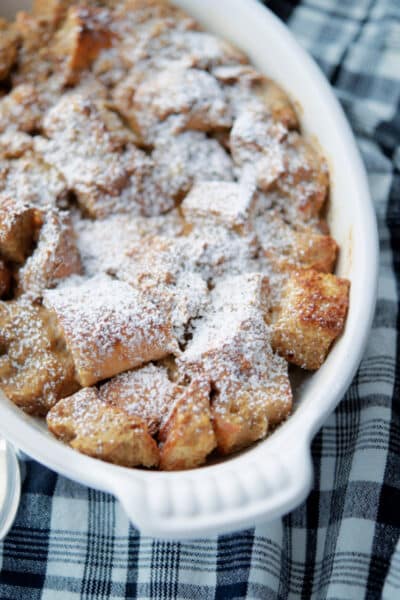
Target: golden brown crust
18 223
35 369
146 392
310 317
278 103
110 327
77 44
187 437
231 351
102 431
305 180
287 248
95 153
8 48
34 64
55 257
52 10
315 251
21 109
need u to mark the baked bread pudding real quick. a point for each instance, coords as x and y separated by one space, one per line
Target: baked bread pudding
164 255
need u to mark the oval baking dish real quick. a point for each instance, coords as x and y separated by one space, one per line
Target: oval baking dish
274 476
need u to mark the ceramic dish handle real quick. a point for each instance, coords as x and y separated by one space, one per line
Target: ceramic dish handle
179 505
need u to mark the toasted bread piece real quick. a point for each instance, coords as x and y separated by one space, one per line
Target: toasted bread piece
110 327
161 266
35 368
93 150
34 60
146 392
14 144
5 279
187 437
103 431
161 43
85 32
192 96
277 103
257 146
54 258
8 48
21 109
310 317
182 160
246 85
227 203
33 182
51 10
281 161
103 243
316 251
231 349
305 181
18 224
287 249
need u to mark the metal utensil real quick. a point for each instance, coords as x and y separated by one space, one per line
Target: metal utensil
10 487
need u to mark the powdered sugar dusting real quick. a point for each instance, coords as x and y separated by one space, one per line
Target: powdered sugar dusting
155 195
109 326
146 392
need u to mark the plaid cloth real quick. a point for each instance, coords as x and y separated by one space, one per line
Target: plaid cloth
71 543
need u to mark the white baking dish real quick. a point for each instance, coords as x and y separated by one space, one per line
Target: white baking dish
274 476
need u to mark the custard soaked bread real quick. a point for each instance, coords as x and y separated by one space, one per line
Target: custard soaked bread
164 254
35 367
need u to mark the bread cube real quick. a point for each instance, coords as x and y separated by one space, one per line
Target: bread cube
121 231
310 317
187 436
305 182
94 152
280 161
182 160
54 258
110 327
33 182
5 279
277 103
51 10
230 348
162 267
227 203
85 32
14 144
191 96
8 48
18 224
286 248
256 144
316 251
34 61
35 367
145 392
98 429
21 109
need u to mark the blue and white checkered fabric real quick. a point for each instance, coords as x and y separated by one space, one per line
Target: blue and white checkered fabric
71 543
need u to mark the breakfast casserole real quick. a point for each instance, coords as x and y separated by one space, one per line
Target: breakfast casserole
164 254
